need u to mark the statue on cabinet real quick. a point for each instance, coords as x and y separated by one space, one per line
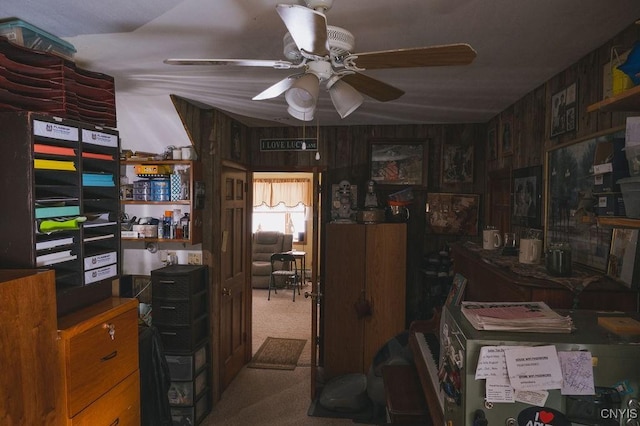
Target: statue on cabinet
344 202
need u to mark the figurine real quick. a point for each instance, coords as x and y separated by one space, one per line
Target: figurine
371 199
343 200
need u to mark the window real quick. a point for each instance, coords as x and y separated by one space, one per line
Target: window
281 205
289 220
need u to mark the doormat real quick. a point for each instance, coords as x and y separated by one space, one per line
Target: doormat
278 354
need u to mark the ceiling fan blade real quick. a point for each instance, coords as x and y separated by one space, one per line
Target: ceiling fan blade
307 27
371 87
432 56
267 63
278 88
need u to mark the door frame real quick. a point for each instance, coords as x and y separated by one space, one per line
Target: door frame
317 173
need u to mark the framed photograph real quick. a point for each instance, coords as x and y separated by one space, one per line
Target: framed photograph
457 164
398 162
453 214
623 257
569 201
563 110
527 197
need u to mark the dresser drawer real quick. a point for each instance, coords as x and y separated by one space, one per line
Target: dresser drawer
120 406
95 362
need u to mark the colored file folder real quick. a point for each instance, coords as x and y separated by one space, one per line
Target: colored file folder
39 163
43 212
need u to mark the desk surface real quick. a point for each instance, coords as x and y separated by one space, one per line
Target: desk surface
495 278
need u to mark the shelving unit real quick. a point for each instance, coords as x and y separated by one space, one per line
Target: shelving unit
188 200
629 100
61 170
619 222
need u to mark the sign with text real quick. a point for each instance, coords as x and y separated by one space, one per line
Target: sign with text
306 144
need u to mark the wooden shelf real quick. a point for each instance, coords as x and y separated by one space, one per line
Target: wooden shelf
629 100
619 222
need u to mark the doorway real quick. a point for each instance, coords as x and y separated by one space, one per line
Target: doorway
283 201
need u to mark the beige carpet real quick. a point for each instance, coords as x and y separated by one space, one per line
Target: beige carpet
281 317
278 354
273 397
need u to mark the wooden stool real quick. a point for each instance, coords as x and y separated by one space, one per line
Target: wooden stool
404 397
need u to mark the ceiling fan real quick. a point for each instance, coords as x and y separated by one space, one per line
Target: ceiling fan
323 55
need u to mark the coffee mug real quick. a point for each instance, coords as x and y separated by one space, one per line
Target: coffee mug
530 250
491 239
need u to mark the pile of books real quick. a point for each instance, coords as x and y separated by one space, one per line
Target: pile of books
534 317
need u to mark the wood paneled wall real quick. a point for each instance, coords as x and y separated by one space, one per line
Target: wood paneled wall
344 150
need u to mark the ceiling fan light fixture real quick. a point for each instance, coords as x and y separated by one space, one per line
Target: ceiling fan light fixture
303 94
345 98
301 115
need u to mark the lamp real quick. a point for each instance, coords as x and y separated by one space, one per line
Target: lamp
303 94
301 115
345 98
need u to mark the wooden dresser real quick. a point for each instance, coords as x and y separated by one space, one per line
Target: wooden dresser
494 281
28 348
99 363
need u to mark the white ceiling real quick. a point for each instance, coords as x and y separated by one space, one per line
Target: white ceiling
520 44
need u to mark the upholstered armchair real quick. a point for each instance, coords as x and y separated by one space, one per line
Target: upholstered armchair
264 244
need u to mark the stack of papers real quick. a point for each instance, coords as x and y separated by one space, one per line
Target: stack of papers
534 317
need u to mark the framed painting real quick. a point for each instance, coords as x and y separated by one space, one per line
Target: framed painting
527 197
457 164
569 201
398 162
453 214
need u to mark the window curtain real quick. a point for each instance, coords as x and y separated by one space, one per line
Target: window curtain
291 192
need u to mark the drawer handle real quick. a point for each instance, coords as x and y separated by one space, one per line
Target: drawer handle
167 282
116 422
171 308
169 333
110 356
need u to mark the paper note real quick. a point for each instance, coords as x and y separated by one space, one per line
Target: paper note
491 363
537 398
499 390
534 368
577 373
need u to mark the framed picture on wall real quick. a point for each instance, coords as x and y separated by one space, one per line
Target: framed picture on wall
527 197
569 203
623 257
492 143
398 162
563 110
457 163
453 214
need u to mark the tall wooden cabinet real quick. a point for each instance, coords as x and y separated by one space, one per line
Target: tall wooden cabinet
54 172
364 289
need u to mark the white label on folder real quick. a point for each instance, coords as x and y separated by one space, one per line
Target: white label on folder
598 180
100 274
55 131
602 201
99 138
100 260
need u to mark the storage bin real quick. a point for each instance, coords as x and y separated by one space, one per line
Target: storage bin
29 36
185 367
631 193
191 415
185 393
183 339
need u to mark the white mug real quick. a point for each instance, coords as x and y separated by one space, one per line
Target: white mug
530 250
491 239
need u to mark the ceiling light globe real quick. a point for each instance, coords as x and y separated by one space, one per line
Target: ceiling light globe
301 115
303 94
345 98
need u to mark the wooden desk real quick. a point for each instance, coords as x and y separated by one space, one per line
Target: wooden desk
490 282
